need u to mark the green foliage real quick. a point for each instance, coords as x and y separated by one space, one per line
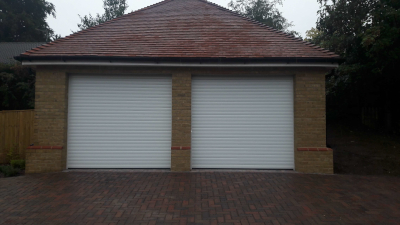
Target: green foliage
18 164
112 9
55 37
263 11
9 171
25 20
367 34
315 36
12 154
17 87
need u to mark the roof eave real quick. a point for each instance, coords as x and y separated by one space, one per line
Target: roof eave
183 60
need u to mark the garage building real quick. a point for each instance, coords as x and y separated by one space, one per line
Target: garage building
180 85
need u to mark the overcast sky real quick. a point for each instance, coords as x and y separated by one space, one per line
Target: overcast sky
303 13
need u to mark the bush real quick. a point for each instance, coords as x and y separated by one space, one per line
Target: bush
9 171
18 164
12 154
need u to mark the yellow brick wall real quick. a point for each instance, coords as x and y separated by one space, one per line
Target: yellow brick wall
50 107
310 119
181 121
43 160
50 125
310 123
314 162
309 96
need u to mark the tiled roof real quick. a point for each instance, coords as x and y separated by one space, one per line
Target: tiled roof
10 49
181 29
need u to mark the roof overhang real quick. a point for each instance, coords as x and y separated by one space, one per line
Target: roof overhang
179 62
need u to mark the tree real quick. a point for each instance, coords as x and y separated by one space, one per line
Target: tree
55 37
367 34
112 8
25 20
314 36
17 87
263 11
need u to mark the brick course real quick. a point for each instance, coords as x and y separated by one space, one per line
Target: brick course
309 109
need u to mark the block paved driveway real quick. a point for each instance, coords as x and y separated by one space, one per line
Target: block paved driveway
126 197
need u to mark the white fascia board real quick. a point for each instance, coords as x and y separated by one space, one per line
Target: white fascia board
150 64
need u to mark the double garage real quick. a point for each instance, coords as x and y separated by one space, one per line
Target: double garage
181 84
125 121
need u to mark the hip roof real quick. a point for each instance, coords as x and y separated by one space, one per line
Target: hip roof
181 29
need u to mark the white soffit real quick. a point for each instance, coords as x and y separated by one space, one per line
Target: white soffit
153 64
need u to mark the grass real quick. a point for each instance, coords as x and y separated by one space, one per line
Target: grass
358 150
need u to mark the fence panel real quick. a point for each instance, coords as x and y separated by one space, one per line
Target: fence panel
2 138
16 132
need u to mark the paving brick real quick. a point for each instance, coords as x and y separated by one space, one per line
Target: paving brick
122 197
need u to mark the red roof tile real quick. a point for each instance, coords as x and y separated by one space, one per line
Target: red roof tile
184 29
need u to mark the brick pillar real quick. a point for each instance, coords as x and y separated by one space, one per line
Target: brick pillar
50 125
311 156
181 121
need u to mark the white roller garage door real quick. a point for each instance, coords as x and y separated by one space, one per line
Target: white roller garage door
119 121
242 122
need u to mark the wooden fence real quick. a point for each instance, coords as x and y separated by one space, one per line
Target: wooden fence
16 132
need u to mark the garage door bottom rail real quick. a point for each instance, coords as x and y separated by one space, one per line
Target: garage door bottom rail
169 171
